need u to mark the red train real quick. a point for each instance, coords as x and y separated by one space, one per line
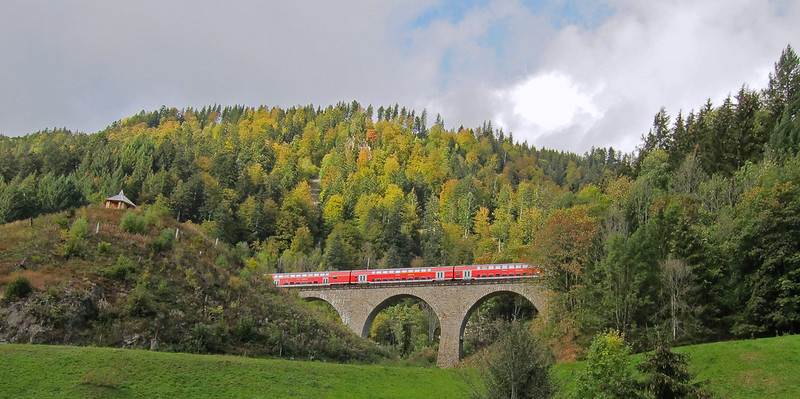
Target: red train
408 275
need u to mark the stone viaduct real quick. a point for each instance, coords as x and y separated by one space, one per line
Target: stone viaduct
453 302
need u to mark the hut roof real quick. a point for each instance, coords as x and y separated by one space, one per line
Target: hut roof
121 198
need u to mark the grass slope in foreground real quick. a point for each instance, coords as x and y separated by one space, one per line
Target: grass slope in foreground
761 368
82 372
756 368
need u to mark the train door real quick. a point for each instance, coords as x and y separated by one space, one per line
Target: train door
362 278
440 275
325 280
467 274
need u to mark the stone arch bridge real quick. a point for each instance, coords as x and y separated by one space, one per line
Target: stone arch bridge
453 302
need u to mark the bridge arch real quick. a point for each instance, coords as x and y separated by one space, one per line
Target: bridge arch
322 300
385 304
451 302
477 304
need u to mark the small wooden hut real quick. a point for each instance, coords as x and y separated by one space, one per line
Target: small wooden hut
119 201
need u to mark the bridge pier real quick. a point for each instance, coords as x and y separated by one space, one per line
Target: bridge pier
452 303
450 341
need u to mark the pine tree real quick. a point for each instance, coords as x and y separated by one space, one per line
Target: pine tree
667 376
782 98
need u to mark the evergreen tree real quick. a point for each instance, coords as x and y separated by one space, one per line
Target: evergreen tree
517 366
782 98
667 376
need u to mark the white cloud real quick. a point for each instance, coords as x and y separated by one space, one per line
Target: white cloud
647 55
550 101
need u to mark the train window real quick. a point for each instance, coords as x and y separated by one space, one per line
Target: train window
334 277
404 279
416 278
491 275
505 274
519 274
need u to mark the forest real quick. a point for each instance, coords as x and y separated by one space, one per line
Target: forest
693 237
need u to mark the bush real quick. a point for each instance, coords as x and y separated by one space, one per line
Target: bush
18 288
79 229
518 366
140 302
163 288
222 261
205 338
133 223
103 248
122 268
245 329
164 240
607 373
77 232
61 221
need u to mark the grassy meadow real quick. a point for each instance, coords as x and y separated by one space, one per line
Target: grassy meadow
761 368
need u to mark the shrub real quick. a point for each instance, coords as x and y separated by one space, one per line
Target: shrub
607 374
163 288
133 223
164 240
122 268
245 329
222 261
61 221
205 338
72 248
77 232
79 228
103 248
18 288
140 302
518 366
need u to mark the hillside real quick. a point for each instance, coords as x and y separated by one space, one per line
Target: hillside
758 368
694 237
96 284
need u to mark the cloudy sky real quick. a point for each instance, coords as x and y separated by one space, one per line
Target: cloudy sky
565 74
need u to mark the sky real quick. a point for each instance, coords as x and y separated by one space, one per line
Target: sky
562 74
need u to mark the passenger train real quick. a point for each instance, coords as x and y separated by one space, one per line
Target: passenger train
408 275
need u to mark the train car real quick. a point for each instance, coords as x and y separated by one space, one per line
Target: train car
311 278
407 275
498 271
400 275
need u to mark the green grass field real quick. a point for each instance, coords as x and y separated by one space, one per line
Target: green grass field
757 368
763 368
72 372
